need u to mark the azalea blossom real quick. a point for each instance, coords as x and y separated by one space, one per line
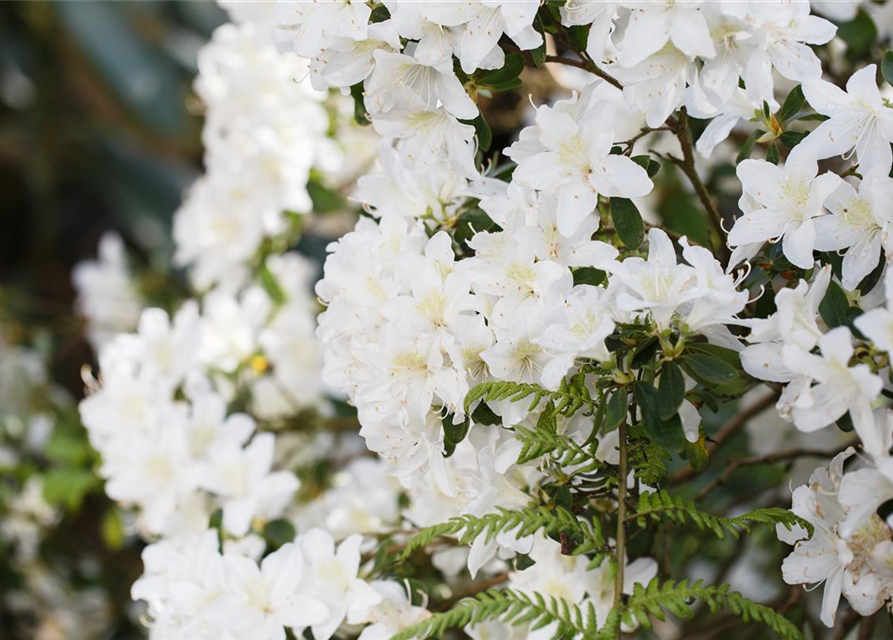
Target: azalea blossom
781 203
859 120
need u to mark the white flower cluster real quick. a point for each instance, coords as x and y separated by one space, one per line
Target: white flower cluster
459 278
191 413
851 549
810 212
412 323
264 132
409 327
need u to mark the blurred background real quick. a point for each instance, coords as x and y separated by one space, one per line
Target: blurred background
99 131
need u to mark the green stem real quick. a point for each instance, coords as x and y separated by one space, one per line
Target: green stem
620 543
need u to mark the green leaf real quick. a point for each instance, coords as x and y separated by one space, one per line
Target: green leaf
538 55
628 222
324 199
506 86
471 222
708 370
887 67
670 391
791 139
589 275
485 415
834 307
65 447
453 434
510 70
747 147
68 486
859 34
618 404
650 600
650 165
111 529
271 285
792 104
666 433
696 453
279 532
359 106
772 154
483 132
579 36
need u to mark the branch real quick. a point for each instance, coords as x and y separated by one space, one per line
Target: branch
687 165
780 456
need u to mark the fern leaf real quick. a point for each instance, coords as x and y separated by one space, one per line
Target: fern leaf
587 536
568 399
661 506
511 607
677 598
545 440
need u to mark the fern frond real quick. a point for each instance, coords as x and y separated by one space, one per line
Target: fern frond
647 459
570 396
545 440
661 506
677 597
513 608
587 536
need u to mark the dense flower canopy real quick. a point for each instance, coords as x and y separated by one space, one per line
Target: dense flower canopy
518 358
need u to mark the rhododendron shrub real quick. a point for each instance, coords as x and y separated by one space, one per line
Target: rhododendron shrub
618 280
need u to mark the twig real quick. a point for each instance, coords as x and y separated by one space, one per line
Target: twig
687 166
849 622
780 456
866 629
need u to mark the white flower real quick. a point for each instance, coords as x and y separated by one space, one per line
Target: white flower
783 32
107 296
824 556
653 24
310 27
840 388
877 324
657 286
782 202
394 613
578 330
478 26
332 578
860 224
859 120
657 85
600 15
182 577
401 80
577 165
262 601
429 136
243 479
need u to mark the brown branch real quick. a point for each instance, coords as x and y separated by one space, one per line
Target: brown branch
849 622
866 629
730 428
781 456
687 166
